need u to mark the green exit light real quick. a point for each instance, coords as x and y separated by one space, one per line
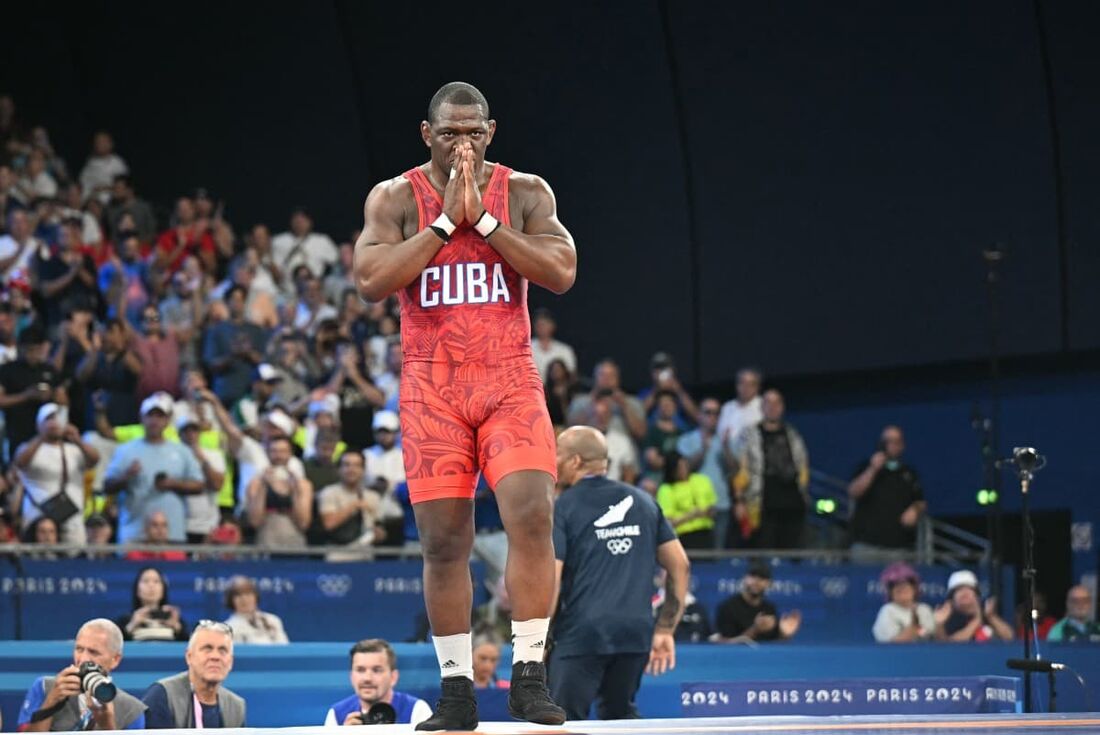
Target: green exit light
826 506
987 497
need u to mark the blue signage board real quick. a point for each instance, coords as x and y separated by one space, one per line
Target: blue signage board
893 696
317 601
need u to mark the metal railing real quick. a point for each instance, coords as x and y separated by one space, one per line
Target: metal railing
830 514
938 542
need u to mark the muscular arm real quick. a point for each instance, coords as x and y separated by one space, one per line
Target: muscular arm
384 260
674 559
543 252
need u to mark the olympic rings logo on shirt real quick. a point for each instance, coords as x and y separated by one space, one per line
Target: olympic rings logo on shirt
619 545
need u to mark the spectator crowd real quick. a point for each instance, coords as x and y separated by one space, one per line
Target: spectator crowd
230 382
169 377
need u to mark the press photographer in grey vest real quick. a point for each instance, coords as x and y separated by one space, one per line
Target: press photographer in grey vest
82 696
196 698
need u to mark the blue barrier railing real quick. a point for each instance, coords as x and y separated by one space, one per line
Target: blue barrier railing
295 684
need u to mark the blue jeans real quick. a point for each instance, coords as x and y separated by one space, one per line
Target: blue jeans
721 527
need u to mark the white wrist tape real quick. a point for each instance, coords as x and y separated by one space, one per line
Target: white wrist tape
486 224
444 223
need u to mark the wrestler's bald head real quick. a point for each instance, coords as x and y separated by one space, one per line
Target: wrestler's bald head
582 450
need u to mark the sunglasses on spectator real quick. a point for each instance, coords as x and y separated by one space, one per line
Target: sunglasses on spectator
214 625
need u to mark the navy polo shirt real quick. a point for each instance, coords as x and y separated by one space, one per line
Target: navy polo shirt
606 533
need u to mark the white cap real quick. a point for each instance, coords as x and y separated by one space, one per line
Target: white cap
160 401
48 410
267 373
185 419
961 578
329 404
281 421
387 420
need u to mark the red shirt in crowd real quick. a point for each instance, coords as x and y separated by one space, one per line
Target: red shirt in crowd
197 243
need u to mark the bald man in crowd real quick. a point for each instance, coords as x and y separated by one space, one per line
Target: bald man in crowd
609 538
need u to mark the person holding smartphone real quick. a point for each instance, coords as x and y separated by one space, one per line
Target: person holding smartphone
888 502
151 617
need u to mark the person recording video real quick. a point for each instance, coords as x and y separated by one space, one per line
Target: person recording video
82 695
373 677
151 618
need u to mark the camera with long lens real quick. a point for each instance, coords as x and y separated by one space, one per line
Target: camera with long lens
95 681
379 713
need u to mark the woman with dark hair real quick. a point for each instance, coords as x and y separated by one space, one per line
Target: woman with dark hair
249 623
42 531
151 618
687 500
561 386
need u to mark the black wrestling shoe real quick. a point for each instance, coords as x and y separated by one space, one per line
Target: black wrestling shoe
528 698
456 708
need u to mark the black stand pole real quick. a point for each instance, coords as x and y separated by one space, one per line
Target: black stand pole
991 427
1029 579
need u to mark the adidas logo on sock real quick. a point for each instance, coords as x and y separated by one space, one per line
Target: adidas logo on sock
538 644
449 664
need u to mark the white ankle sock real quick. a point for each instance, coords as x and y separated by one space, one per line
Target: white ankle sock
529 639
455 655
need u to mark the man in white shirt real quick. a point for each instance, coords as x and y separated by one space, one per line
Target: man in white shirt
17 247
743 411
52 464
386 468
384 462
36 181
98 175
302 245
545 349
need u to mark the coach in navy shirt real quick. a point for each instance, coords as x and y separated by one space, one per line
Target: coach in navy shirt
608 540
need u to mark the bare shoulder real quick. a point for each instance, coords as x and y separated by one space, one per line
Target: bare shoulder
529 184
391 202
529 194
395 190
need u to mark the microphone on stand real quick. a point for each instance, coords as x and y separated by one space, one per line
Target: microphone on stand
1039 667
1024 459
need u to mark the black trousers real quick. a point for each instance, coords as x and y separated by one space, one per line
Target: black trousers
781 530
610 680
703 539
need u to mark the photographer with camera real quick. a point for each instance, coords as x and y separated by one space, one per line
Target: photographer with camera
373 677
82 695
